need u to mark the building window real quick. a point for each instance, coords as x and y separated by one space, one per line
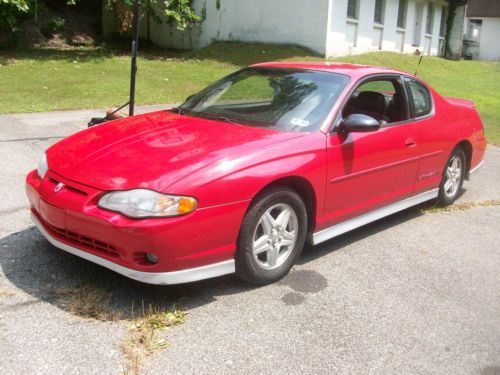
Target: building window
442 25
430 18
402 14
352 9
474 29
379 12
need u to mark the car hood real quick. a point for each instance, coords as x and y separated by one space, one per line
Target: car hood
155 150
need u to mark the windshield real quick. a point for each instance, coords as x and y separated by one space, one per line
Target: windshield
283 99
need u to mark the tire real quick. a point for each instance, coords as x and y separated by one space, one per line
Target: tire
453 178
269 243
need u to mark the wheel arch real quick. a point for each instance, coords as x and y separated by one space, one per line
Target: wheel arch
303 188
467 147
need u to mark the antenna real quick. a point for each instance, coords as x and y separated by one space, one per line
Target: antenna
418 65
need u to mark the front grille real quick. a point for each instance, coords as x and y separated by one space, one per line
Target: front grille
84 241
54 183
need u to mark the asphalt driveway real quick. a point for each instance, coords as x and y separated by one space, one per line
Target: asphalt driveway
418 292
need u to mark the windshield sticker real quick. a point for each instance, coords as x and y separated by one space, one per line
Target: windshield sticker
299 122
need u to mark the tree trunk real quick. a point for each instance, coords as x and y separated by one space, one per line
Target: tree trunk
454 31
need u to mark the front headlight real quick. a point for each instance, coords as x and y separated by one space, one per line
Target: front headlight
42 166
140 203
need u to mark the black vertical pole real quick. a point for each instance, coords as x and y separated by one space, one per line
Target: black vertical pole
135 45
149 19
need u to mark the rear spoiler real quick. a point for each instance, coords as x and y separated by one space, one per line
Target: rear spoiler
461 102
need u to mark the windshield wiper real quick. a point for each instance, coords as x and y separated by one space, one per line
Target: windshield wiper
222 118
178 110
182 111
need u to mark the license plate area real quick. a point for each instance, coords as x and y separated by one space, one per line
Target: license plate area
53 215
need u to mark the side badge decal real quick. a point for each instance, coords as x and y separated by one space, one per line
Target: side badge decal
58 187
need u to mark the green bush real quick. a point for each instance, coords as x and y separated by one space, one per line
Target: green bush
178 13
11 14
55 25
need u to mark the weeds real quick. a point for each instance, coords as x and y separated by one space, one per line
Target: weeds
143 329
143 338
4 293
461 206
88 301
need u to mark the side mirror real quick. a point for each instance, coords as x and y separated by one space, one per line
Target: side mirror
360 123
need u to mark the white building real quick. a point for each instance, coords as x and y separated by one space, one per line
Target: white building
482 30
389 25
329 27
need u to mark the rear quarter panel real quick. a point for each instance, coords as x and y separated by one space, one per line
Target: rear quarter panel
453 122
466 121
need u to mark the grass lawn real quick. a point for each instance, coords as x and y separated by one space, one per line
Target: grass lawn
47 80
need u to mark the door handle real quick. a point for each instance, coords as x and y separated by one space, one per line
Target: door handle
410 142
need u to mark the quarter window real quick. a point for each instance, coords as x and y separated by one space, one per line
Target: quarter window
420 98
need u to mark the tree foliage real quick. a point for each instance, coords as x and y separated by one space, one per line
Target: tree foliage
181 14
13 12
178 13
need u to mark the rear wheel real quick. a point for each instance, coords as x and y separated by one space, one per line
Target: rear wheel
272 236
453 178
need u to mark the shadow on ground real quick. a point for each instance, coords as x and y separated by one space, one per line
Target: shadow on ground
33 265
312 253
39 269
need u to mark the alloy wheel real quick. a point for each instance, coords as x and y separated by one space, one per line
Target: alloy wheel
453 176
275 236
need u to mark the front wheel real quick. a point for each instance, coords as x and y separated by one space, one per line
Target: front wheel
453 178
272 236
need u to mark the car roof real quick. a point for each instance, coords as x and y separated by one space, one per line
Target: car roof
352 70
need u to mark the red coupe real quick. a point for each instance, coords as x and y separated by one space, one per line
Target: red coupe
238 177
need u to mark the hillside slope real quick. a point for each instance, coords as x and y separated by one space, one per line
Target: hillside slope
52 79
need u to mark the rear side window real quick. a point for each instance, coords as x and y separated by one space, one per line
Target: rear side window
420 98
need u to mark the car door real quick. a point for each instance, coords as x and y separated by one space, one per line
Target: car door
430 136
366 171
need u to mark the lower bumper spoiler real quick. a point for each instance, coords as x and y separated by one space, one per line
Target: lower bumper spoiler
158 278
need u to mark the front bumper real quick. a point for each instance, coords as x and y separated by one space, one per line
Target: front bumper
191 247
159 278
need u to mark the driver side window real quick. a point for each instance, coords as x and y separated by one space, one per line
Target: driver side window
382 99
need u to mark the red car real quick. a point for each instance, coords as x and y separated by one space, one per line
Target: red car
238 177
